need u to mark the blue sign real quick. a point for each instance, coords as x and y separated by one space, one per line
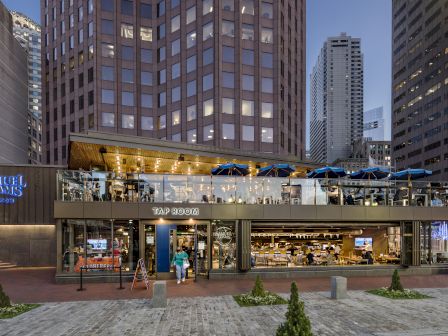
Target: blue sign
11 188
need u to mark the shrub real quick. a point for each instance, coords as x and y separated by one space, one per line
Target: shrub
4 299
396 284
297 323
258 289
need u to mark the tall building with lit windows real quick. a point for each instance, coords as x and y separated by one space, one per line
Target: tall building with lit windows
227 73
420 86
27 32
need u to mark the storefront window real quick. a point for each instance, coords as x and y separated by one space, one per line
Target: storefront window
224 245
439 242
175 188
199 189
72 244
151 187
99 250
126 244
223 189
250 190
276 191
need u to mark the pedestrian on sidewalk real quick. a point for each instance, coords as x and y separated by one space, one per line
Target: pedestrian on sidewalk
179 259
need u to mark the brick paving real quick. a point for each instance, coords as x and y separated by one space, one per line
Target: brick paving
360 314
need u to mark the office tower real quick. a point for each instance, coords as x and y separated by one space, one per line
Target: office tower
419 86
375 125
13 94
336 99
223 73
27 32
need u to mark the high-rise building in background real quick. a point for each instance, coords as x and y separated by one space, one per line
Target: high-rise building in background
13 93
336 99
224 73
27 32
375 125
419 86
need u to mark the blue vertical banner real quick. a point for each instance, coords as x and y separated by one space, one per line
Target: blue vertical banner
163 247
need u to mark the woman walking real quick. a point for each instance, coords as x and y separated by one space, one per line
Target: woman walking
180 260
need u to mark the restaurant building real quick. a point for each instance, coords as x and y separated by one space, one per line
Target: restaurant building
123 198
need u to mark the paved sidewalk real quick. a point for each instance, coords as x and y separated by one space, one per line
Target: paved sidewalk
360 314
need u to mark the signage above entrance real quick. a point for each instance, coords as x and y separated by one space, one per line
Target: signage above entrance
165 211
11 188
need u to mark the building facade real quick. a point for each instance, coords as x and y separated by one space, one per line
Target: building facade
336 99
419 86
222 73
13 94
374 125
27 32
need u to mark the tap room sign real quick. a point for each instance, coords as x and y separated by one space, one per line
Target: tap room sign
11 188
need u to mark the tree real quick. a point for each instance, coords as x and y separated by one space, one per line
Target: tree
297 323
4 299
258 289
396 284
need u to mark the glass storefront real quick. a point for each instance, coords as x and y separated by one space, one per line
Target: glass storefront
434 242
224 245
323 246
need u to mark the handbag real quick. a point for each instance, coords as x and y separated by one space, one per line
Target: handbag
186 264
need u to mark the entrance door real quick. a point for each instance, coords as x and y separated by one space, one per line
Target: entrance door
202 248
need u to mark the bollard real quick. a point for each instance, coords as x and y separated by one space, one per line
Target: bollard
80 280
338 287
121 281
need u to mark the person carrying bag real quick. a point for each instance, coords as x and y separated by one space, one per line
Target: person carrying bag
180 261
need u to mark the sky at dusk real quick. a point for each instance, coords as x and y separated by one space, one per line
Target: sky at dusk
367 19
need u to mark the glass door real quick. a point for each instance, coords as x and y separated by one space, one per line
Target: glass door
150 249
201 263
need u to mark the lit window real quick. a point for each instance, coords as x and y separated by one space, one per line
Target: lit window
207 31
267 110
191 112
107 119
191 39
162 122
175 23
228 131
175 118
191 136
228 28
267 135
208 107
127 121
247 32
146 34
247 7
247 108
248 133
228 106
208 132
127 31
191 15
147 123
267 35
207 6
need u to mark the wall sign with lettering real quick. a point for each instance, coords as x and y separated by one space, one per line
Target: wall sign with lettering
165 211
11 188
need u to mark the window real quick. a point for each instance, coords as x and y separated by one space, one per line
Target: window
80 14
107 119
175 71
175 94
175 47
247 32
247 108
247 7
146 55
146 100
191 39
191 136
228 106
146 11
146 78
267 110
191 112
248 133
161 8
161 76
191 15
175 23
267 10
207 82
161 54
147 123
107 96
127 76
267 60
146 34
127 53
191 64
228 5
207 31
107 5
107 27
248 57
207 6
208 132
127 121
127 98
266 35
175 118
267 135
191 88
90 29
161 99
127 31
208 107
161 122
127 7
228 131
228 28
228 54
267 85
228 80
107 73
207 56
248 82
176 137
161 31
90 56
175 3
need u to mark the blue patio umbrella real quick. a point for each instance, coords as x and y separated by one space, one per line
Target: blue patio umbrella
277 170
327 172
231 169
372 173
410 174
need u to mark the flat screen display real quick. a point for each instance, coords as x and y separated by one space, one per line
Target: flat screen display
363 242
97 244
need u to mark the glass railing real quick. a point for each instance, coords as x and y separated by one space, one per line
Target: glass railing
81 186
